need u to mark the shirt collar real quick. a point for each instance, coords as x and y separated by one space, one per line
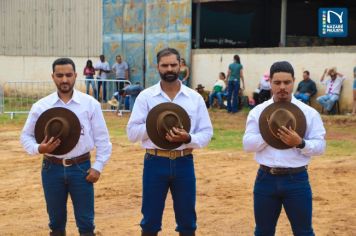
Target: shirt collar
54 98
158 90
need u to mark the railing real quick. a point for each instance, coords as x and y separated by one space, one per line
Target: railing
18 96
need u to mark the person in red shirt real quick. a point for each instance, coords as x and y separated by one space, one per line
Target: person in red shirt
89 73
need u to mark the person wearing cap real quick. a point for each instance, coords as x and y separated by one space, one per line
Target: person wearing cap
284 133
65 126
306 88
333 89
170 120
204 94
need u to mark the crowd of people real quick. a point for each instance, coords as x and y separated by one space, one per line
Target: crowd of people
229 93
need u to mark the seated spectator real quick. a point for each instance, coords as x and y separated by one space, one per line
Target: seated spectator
333 88
203 93
265 88
218 91
306 88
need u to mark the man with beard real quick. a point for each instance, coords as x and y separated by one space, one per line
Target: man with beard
163 171
71 172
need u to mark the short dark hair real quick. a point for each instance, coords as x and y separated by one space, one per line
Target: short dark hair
281 66
306 72
63 61
166 52
223 74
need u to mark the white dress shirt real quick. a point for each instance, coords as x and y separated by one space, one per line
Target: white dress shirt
103 66
292 157
192 102
93 128
334 87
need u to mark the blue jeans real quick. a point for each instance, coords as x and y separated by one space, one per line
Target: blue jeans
104 89
159 175
293 191
217 95
328 101
59 181
303 97
90 81
233 93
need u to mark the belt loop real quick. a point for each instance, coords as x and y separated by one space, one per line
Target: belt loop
181 153
155 151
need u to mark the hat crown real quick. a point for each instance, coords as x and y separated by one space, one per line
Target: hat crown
57 127
166 121
281 117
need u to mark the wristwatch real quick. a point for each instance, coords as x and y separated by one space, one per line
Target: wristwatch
302 145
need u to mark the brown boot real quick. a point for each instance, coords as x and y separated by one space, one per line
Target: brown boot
148 234
187 234
57 233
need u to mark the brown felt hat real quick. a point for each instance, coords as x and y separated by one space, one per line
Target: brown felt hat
59 123
280 114
161 119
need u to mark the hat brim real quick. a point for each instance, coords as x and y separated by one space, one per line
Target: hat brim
151 124
68 143
113 103
269 138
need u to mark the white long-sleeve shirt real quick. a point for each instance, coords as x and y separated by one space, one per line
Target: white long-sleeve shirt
292 157
94 132
192 102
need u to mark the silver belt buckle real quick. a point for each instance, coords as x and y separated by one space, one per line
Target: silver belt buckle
273 171
172 155
64 162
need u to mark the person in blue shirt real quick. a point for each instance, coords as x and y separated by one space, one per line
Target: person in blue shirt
234 75
306 88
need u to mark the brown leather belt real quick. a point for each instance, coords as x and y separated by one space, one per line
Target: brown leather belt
282 171
68 161
174 154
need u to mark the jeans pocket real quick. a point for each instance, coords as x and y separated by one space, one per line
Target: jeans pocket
84 166
46 165
260 175
301 177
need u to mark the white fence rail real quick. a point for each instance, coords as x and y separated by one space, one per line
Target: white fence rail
18 96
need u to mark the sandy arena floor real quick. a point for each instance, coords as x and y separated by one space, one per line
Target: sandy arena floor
224 192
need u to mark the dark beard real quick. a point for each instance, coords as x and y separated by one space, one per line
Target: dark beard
169 77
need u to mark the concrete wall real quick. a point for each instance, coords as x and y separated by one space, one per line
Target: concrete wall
27 68
207 63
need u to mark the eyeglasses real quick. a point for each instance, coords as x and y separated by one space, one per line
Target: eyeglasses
60 75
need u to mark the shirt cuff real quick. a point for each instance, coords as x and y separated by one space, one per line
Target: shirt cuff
98 166
35 149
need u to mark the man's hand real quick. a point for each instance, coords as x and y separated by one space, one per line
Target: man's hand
93 175
289 136
48 146
177 135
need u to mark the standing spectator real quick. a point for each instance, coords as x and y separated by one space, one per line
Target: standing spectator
121 70
89 73
217 91
306 88
169 162
284 134
265 88
184 72
354 93
204 94
333 88
234 75
74 125
104 68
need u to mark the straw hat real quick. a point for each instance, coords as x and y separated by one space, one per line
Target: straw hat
280 114
59 123
161 119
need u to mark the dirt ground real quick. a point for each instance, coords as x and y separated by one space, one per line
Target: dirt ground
224 192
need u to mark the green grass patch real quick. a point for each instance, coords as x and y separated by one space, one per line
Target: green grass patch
226 139
18 119
335 148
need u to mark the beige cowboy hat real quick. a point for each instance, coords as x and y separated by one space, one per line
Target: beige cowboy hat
280 114
161 119
113 102
59 123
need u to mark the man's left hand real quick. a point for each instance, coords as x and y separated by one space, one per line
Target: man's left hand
289 136
177 135
93 175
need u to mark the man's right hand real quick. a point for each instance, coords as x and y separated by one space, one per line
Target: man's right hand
48 146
